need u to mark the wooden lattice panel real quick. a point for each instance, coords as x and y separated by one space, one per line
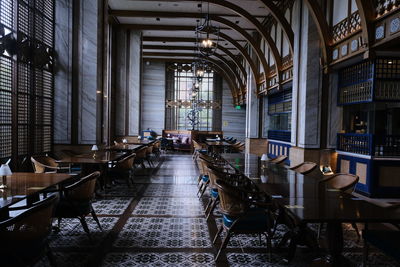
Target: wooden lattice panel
346 27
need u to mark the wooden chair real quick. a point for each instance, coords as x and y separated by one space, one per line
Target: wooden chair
149 155
305 167
386 239
204 178
24 237
42 164
125 167
141 157
241 215
76 201
344 182
279 159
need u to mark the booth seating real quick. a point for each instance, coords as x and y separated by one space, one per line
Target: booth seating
182 140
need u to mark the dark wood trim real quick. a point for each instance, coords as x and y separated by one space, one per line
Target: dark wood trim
366 10
76 15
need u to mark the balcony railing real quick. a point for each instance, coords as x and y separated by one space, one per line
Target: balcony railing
279 135
368 144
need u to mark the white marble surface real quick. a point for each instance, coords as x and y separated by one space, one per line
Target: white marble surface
121 83
252 109
134 80
232 119
88 72
63 72
153 97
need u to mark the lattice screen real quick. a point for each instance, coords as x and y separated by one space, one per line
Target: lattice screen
26 78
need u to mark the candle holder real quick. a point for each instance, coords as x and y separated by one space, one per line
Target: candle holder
4 171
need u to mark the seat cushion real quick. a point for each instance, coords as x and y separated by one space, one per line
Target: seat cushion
205 178
387 241
214 192
255 219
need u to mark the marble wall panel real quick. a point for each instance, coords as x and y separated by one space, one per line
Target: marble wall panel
233 120
88 72
153 97
121 82
63 72
134 82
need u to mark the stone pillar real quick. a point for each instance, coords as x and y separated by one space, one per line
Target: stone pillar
307 88
128 82
63 72
76 83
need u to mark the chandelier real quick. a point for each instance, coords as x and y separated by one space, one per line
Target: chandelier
205 45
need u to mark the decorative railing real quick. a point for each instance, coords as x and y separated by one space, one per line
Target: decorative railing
346 27
368 144
386 6
355 143
280 135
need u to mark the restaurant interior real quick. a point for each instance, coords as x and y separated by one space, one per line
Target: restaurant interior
200 133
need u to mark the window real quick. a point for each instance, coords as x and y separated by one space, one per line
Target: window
26 77
180 96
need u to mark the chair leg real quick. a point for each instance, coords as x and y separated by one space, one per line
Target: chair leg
319 230
269 246
224 244
220 228
204 189
210 201
214 204
365 253
50 256
95 218
85 226
354 225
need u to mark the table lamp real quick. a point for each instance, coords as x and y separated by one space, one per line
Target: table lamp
263 178
264 159
4 171
124 141
218 138
139 137
94 149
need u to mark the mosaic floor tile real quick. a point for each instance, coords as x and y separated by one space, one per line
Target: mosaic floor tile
159 259
171 190
66 259
262 259
169 206
111 206
164 233
71 233
123 190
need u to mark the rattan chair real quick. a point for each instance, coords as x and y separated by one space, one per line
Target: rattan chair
125 167
344 182
241 215
141 157
46 164
279 159
24 237
76 201
305 167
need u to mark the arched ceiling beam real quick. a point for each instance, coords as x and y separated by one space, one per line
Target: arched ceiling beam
194 48
322 26
222 60
222 35
280 17
260 55
366 10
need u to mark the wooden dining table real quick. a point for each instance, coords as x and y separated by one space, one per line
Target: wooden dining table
218 146
308 200
94 161
26 185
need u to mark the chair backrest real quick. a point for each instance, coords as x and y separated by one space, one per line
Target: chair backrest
231 199
141 153
214 173
196 145
83 189
279 159
126 163
149 149
34 224
305 167
341 181
40 163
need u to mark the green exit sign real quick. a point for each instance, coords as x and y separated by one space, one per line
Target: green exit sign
238 107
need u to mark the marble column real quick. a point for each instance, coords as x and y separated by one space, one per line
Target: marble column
63 72
87 64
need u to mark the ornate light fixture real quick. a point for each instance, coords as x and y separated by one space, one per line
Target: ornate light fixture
205 44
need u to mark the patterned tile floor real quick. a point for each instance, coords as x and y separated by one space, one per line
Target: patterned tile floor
159 221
